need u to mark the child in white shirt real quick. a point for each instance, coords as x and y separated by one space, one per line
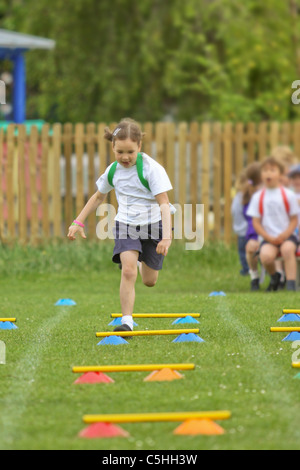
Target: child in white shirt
294 178
143 223
275 210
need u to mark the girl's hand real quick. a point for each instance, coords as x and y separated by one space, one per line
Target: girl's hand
163 246
73 230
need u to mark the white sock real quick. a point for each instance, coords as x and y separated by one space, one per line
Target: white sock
253 274
127 320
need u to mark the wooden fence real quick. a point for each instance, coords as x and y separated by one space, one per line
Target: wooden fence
47 177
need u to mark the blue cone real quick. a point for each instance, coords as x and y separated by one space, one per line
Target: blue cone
294 336
189 337
115 340
118 322
61 302
7 325
297 376
289 317
216 293
183 320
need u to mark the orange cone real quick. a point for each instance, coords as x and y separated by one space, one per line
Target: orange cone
204 427
163 375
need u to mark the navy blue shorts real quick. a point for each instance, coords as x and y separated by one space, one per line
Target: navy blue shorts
143 239
292 238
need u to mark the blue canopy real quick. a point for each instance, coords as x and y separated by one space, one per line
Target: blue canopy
13 47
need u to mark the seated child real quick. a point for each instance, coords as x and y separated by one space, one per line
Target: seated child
294 177
240 224
286 156
274 211
251 186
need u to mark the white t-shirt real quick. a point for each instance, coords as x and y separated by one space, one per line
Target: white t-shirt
298 199
275 218
240 224
137 205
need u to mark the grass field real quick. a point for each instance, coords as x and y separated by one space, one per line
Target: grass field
241 366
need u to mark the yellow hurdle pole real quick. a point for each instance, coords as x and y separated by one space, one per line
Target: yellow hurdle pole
12 320
296 365
291 310
158 315
156 417
284 329
131 368
104 334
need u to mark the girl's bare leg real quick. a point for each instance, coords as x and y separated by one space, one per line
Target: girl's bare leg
149 275
128 279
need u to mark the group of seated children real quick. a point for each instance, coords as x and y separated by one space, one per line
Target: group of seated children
266 217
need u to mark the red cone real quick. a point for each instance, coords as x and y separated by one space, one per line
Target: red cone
94 378
102 430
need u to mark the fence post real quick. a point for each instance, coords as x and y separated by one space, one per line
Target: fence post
170 154
227 182
194 143
91 175
239 148
182 137
205 199
22 206
160 141
147 141
33 152
296 138
68 146
262 140
57 206
217 181
79 151
44 181
274 135
251 138
10 180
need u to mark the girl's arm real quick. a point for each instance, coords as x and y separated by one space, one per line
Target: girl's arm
91 206
260 230
291 228
164 245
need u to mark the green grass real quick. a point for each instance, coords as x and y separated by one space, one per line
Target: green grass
240 366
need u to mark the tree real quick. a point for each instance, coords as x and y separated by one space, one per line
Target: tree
197 59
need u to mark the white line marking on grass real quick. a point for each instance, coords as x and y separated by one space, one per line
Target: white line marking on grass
14 404
263 370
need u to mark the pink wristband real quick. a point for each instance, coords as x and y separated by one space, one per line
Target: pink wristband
78 223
